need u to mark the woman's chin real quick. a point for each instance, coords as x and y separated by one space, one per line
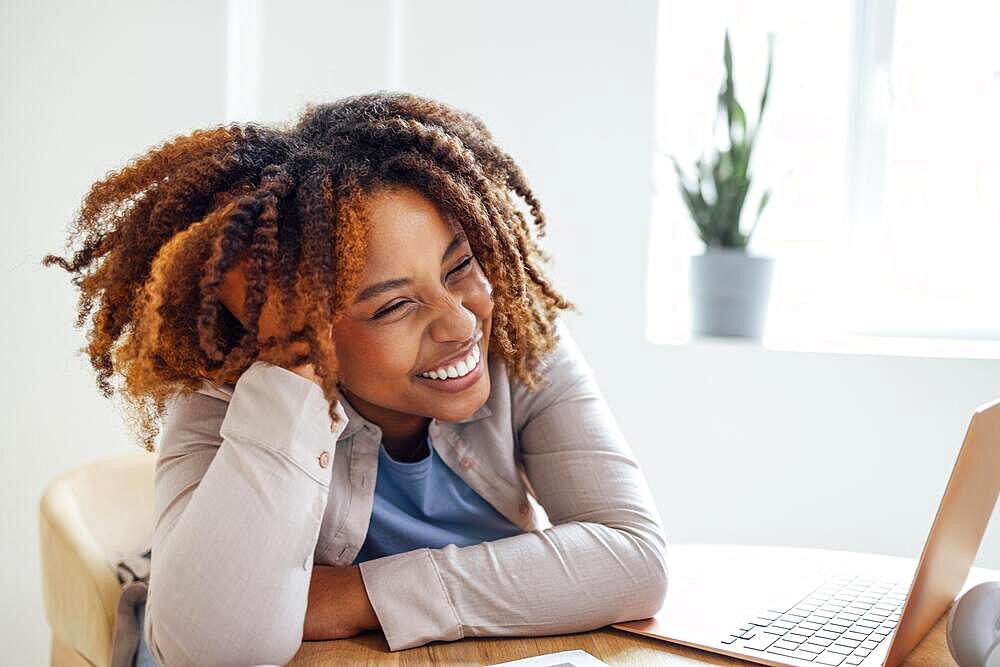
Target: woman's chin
458 407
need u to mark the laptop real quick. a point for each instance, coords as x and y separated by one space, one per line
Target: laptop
798 607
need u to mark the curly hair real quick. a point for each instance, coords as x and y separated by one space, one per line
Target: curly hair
153 240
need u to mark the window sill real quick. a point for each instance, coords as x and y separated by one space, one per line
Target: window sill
944 348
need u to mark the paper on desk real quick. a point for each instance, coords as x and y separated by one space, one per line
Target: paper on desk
575 658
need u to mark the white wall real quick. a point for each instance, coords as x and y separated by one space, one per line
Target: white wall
740 444
83 87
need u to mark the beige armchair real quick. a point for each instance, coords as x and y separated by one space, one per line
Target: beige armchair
87 516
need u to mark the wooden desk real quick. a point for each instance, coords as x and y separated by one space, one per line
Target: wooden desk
614 647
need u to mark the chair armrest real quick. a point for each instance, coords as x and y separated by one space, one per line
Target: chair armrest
80 587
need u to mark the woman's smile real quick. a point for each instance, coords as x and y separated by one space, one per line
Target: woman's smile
457 377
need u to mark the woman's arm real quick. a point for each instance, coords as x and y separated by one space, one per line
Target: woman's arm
238 511
603 561
338 604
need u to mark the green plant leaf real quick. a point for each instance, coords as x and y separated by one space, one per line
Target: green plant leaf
735 115
764 198
767 85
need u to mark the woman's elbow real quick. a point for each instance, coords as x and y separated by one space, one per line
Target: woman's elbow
647 597
176 642
658 590
653 592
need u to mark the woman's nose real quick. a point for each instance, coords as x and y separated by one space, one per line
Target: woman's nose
455 322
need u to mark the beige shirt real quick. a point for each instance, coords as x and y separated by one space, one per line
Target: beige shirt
253 488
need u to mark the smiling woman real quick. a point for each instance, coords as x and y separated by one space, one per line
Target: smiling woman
371 408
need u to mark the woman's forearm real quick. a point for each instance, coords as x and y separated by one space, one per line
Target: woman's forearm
338 604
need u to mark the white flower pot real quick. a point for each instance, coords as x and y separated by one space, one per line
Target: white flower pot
729 293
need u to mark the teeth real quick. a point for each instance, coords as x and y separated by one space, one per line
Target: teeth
463 367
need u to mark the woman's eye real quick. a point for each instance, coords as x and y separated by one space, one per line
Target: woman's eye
386 311
398 304
462 266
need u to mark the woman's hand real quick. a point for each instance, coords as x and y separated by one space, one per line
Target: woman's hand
232 293
338 604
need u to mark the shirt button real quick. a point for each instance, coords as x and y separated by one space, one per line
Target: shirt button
466 462
525 508
324 459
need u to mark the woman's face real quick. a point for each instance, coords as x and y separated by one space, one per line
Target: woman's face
421 304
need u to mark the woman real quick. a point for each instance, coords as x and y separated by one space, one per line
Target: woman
362 375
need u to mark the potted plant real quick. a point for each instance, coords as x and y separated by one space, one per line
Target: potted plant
729 287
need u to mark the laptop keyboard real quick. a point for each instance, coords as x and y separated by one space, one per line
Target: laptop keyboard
839 623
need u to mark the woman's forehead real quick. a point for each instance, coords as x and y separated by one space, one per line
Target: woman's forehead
402 220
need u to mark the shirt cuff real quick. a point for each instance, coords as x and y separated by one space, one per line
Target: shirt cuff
410 600
280 410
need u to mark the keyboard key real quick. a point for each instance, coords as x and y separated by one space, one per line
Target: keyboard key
809 625
863 652
781 643
791 654
761 641
783 624
826 634
843 650
776 631
848 641
819 641
801 655
809 647
730 639
869 644
853 660
829 659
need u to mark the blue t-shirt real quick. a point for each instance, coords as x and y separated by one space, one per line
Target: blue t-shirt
425 504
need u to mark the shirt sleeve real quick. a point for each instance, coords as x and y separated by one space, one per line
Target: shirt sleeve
603 561
240 493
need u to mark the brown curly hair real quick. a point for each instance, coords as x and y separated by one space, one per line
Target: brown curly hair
154 239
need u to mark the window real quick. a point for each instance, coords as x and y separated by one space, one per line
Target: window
882 149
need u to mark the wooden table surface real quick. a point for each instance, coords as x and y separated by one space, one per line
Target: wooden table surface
613 646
